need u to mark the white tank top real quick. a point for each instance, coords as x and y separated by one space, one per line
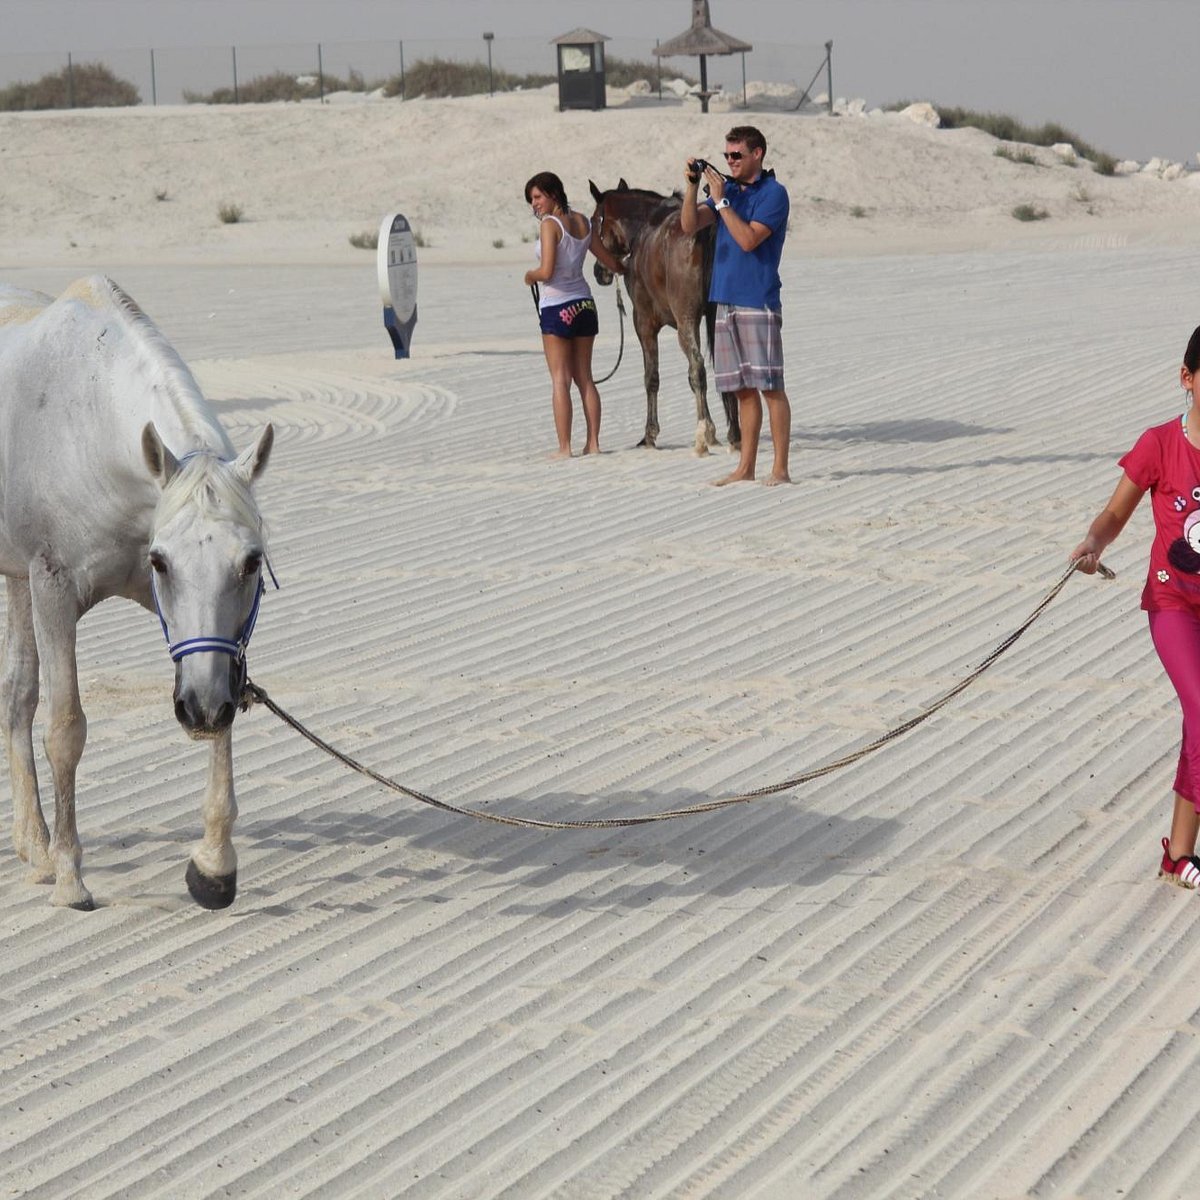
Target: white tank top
567 282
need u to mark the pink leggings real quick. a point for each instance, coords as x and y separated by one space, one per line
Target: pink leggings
1176 637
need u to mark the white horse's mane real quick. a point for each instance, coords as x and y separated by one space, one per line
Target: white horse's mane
204 479
154 352
215 488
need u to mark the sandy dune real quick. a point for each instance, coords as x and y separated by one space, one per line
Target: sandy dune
947 970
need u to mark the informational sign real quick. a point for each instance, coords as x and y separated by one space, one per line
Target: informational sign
396 261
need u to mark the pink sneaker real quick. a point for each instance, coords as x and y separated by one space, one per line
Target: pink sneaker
1183 872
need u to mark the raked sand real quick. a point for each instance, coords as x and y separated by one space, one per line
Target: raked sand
945 970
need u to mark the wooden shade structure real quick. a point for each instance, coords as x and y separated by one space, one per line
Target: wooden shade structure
700 41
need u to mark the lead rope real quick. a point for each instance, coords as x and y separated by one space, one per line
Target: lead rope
253 694
621 319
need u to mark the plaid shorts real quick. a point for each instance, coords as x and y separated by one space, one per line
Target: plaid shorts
747 349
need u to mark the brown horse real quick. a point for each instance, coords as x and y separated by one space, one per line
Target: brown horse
667 274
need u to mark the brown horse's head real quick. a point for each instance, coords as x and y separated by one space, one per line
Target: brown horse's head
620 215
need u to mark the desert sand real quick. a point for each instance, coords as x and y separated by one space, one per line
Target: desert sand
946 970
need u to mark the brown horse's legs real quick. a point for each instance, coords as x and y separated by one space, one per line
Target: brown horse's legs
732 424
689 343
648 337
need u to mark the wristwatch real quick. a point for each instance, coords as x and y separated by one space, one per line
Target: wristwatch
722 203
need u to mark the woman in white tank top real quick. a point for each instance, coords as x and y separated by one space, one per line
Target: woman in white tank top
566 310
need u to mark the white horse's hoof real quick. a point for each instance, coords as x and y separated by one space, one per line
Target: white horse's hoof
211 891
76 897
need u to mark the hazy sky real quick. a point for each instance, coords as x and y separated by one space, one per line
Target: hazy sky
1122 74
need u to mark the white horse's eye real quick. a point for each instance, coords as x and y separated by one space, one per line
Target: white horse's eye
158 562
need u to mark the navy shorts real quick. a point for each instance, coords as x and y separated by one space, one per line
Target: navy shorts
576 318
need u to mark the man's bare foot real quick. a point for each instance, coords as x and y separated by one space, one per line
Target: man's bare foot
592 449
733 477
774 480
559 454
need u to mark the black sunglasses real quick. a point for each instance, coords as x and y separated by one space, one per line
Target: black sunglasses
734 156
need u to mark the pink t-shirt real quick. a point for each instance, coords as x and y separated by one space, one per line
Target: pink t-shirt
1164 463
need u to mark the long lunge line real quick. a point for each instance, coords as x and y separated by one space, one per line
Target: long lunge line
253 694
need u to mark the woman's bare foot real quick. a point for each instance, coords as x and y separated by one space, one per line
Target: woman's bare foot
559 454
774 480
592 448
733 477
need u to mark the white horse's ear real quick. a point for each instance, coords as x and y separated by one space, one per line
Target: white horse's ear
162 463
252 461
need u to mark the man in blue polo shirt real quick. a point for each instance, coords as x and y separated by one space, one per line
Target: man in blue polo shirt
750 209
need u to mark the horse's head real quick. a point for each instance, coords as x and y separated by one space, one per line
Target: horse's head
206 558
621 216
608 220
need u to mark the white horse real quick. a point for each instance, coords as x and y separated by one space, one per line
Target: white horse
116 479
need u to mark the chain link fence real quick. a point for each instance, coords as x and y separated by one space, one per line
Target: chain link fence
177 75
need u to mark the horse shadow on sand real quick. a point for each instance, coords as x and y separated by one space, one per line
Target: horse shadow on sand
749 848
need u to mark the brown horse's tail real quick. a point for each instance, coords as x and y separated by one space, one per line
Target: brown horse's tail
707 237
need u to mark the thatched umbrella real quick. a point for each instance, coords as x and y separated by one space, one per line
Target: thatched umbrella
701 41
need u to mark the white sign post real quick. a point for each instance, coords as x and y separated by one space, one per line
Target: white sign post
396 262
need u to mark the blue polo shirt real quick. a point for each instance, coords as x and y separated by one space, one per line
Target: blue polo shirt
751 280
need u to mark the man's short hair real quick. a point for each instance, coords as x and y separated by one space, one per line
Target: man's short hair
749 136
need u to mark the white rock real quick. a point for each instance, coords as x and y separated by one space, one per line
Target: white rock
1066 153
922 113
1154 167
639 87
1127 166
1174 171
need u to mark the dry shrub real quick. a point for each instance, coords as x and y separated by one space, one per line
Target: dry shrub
83 85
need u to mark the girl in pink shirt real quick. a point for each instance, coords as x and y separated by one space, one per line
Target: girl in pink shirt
1165 461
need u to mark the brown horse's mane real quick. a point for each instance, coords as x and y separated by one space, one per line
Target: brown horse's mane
664 205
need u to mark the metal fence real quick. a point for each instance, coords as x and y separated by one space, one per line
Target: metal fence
175 75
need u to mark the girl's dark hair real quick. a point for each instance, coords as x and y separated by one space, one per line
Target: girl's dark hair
1191 356
550 185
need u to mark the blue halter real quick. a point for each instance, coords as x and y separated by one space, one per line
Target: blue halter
235 648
